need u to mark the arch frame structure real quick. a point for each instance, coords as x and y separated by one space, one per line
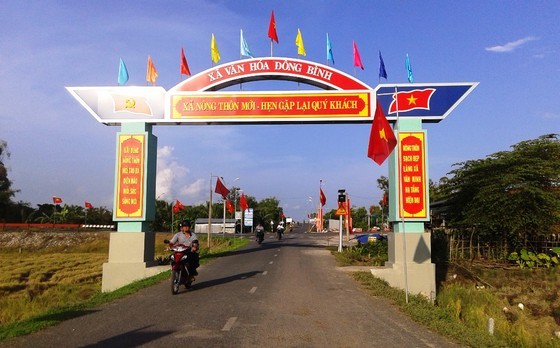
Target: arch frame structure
209 98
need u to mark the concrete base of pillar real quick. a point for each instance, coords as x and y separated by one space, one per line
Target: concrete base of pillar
409 264
131 258
117 275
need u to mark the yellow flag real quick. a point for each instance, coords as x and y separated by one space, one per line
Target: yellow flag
214 50
299 44
151 74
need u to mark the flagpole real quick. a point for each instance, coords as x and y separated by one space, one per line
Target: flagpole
400 195
224 222
320 226
271 48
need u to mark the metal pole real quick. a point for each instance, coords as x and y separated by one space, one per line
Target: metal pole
224 222
210 213
400 196
340 234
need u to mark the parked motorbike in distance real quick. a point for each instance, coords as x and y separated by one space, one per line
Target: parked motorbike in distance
179 267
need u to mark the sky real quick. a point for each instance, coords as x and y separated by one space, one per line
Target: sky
512 48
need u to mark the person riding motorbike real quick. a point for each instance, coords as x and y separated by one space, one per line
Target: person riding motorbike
259 233
186 237
279 230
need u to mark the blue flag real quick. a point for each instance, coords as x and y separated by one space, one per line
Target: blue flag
382 71
244 47
409 70
329 50
123 73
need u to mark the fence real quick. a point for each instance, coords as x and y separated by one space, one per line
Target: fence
455 246
7 226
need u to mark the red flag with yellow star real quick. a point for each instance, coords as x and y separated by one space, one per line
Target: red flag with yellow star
410 100
229 206
382 140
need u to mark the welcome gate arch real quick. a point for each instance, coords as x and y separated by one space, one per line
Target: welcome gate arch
200 100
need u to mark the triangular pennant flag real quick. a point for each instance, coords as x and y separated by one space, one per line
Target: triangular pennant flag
330 56
244 48
184 66
123 73
299 44
357 58
151 73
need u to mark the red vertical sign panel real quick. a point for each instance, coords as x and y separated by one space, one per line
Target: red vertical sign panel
413 175
130 176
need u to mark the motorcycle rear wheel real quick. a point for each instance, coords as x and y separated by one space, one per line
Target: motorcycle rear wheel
175 282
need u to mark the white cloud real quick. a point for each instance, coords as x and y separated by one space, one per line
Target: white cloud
510 46
551 115
195 193
169 173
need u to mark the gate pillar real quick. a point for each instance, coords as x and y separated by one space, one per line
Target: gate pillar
131 248
409 267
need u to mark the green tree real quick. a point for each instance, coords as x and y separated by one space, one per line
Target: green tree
267 210
510 195
359 217
6 191
162 221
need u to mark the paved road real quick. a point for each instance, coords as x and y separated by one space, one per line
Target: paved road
286 293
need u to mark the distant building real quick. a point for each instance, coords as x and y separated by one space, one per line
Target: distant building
218 226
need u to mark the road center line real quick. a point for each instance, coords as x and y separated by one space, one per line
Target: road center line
265 272
253 289
229 324
271 262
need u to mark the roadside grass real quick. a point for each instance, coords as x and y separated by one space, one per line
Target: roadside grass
469 295
42 287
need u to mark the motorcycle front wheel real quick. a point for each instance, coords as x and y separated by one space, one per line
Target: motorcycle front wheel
175 281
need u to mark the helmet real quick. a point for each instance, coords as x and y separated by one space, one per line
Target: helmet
185 223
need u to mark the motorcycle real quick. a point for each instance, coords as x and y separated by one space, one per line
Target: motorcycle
279 233
180 267
260 236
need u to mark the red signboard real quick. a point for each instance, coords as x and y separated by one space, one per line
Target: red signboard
285 68
130 176
413 175
237 106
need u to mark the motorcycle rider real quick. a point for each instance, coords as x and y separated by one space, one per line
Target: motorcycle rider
280 230
259 231
186 237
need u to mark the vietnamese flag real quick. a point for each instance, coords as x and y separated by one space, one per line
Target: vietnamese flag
272 29
184 66
221 189
243 202
56 200
410 100
382 140
88 205
322 197
229 206
178 206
